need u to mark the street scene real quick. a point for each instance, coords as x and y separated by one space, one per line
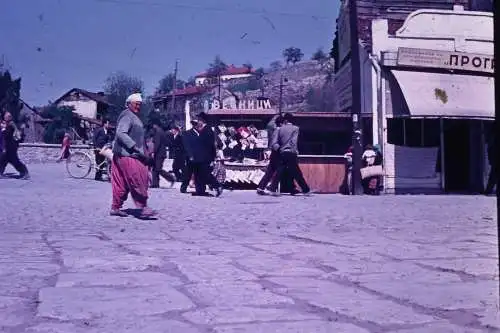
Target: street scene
221 166
244 263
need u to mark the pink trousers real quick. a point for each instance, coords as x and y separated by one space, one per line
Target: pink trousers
129 175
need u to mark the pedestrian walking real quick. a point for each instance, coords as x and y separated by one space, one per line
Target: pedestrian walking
11 137
285 141
65 147
129 172
102 137
177 153
159 155
201 150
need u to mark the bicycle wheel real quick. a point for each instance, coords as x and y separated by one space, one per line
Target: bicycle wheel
78 165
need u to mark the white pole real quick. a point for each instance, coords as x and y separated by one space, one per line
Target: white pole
187 115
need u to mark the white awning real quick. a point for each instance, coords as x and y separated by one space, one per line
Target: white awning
447 95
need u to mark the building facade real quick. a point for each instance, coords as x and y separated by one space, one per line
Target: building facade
434 103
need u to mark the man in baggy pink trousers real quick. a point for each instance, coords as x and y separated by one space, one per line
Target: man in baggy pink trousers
129 171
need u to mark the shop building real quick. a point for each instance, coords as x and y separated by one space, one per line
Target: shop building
433 99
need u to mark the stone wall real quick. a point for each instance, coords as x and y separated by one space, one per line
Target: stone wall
33 153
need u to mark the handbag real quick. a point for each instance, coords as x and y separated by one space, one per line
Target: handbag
371 171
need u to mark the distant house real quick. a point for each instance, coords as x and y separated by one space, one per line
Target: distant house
86 104
232 72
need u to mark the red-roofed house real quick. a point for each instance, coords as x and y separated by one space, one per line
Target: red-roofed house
232 72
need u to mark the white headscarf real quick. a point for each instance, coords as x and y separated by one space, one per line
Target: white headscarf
134 98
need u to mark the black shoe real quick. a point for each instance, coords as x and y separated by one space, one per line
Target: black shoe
183 189
218 191
203 194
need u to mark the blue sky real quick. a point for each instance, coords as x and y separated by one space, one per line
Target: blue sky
55 45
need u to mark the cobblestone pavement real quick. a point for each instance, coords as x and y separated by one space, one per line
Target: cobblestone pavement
243 263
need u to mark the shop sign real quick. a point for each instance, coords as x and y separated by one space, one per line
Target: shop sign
343 87
446 59
264 104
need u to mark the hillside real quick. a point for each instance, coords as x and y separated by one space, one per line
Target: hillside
308 87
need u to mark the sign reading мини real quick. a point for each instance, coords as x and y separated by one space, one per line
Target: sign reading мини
446 59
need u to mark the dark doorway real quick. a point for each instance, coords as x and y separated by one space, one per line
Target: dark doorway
456 155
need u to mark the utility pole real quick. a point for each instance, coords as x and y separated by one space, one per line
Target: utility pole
282 79
356 100
175 86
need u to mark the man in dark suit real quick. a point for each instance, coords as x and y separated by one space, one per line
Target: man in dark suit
188 141
203 155
101 138
160 142
177 152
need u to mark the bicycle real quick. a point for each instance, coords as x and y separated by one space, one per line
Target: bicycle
80 164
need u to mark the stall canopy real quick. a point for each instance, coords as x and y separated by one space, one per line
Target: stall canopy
447 95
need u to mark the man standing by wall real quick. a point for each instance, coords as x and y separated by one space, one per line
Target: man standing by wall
129 173
101 138
159 155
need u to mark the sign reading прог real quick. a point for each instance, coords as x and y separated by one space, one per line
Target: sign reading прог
446 59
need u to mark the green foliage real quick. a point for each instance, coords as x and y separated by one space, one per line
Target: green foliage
62 120
292 55
118 86
334 52
319 55
166 84
166 120
276 65
217 67
10 92
259 73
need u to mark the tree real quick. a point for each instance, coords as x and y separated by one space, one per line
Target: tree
61 121
319 55
248 65
166 84
191 81
10 92
292 55
275 65
217 67
259 73
118 86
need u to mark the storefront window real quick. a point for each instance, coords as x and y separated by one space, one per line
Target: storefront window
413 132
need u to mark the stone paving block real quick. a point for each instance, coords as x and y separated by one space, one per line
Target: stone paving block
118 262
441 327
13 311
235 294
349 301
86 303
168 249
121 279
388 271
490 316
275 266
463 295
245 314
139 325
473 266
292 327
209 268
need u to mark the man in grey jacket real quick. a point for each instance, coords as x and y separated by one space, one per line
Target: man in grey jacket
129 171
285 141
